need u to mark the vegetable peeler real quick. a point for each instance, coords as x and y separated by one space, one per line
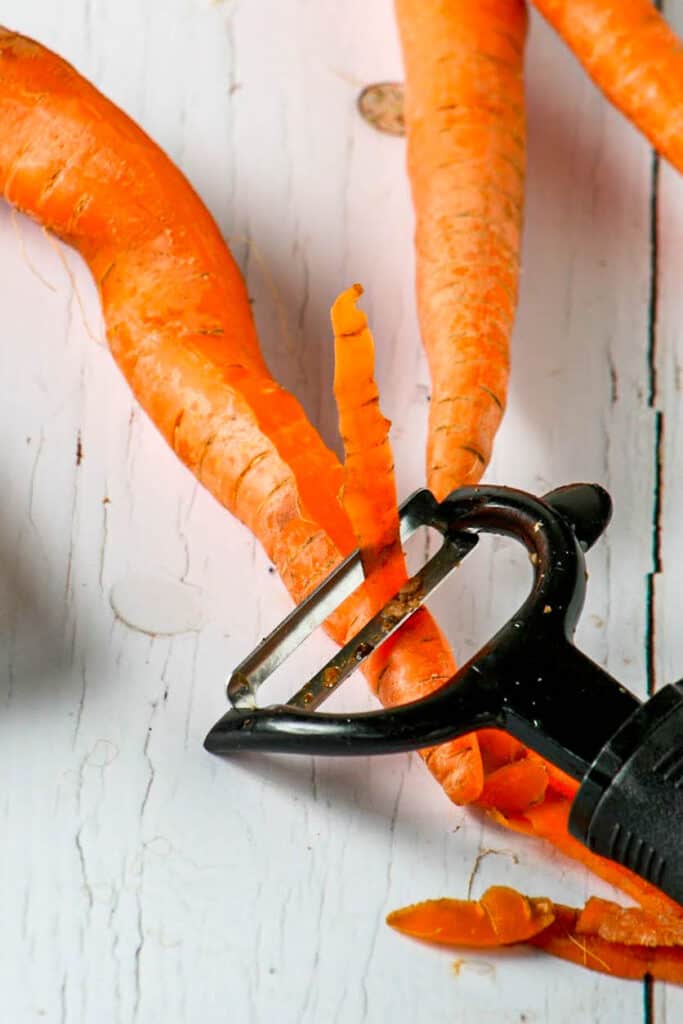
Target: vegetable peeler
529 679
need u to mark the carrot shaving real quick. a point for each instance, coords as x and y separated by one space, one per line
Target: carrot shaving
514 787
629 926
369 498
548 820
369 491
504 917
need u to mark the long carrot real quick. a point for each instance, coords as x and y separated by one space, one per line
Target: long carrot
631 53
604 937
180 328
465 127
369 497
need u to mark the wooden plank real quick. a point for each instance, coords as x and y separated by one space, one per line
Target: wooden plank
140 877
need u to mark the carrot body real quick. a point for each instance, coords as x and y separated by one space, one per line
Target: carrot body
369 498
465 128
179 326
505 917
631 53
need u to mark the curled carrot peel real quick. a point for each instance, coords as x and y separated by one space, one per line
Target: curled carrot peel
562 939
503 916
629 926
631 53
549 820
369 491
370 500
514 787
465 133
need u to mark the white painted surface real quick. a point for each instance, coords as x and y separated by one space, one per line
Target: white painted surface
141 880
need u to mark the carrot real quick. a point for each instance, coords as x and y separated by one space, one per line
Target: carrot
369 498
465 128
179 326
504 917
631 53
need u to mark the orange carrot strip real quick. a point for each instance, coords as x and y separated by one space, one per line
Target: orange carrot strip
629 925
548 820
179 326
369 493
465 128
631 53
498 748
502 916
515 787
561 939
369 497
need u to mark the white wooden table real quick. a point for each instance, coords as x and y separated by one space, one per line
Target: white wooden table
142 880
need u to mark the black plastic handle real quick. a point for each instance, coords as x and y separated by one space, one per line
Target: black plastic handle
630 805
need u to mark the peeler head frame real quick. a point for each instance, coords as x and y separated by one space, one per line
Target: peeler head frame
529 678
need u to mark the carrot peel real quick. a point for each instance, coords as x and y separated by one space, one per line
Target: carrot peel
370 501
503 917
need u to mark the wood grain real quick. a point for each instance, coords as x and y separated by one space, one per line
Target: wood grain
141 879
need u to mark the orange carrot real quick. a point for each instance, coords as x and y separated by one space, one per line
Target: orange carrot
503 917
369 498
180 328
465 128
631 53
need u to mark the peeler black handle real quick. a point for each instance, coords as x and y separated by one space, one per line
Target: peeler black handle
629 807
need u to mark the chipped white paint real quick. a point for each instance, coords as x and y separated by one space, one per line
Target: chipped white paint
157 606
142 880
